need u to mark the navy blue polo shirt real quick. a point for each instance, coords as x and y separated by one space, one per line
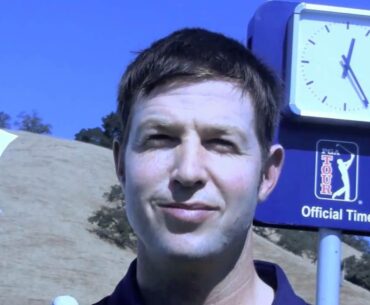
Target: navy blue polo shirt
127 291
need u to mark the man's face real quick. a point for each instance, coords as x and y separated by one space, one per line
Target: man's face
192 169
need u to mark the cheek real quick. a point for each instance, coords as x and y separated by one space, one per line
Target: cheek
239 179
238 183
145 168
137 184
145 174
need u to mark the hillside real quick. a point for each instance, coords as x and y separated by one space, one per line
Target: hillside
48 189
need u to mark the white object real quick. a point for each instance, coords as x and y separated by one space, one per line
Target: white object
5 139
64 300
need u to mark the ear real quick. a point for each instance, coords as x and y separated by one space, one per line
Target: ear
271 171
119 160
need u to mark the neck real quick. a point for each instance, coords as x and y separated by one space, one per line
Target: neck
220 280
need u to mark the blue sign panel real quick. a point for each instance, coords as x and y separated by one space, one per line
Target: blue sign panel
325 180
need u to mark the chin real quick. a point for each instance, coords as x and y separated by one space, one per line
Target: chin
187 248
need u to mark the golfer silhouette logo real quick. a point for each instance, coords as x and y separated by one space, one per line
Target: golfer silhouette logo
343 167
336 175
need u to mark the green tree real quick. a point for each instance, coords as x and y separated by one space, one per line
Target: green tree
356 242
102 136
111 126
111 223
4 120
357 270
298 242
263 231
93 136
32 123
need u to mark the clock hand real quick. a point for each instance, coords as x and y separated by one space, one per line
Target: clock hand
349 55
365 101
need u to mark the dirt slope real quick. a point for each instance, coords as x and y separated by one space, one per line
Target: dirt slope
302 274
48 189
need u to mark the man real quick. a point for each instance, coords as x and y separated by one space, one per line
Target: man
198 116
343 167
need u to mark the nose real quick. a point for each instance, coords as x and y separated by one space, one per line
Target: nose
190 167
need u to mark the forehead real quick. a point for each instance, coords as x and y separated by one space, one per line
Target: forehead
211 102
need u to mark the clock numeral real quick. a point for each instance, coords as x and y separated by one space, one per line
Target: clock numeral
305 61
327 28
367 34
324 99
345 107
347 25
309 83
311 41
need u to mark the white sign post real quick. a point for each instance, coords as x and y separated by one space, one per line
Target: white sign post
328 267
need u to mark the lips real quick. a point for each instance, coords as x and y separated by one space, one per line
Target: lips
188 212
189 206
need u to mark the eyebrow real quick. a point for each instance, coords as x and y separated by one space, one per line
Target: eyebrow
159 124
224 130
208 130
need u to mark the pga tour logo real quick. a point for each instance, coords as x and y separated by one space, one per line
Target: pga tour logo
336 174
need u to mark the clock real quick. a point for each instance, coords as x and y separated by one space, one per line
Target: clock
328 68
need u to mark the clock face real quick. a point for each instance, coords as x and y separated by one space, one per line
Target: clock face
330 63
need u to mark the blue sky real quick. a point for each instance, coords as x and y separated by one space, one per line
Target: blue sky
64 59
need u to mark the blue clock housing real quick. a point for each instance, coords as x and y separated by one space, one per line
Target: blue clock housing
326 176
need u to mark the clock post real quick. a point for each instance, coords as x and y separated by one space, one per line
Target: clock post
320 49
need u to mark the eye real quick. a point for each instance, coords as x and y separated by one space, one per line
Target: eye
158 141
221 146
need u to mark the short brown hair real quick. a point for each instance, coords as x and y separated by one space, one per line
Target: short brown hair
193 55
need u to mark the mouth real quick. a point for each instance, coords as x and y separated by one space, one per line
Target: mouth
195 213
189 206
